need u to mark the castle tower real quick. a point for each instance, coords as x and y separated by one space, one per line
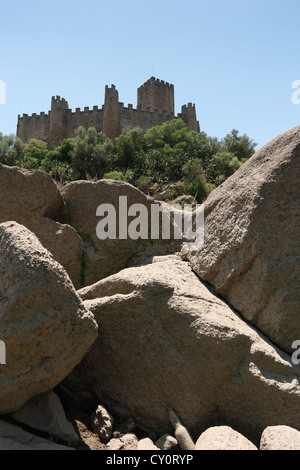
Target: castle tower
58 121
188 115
156 95
111 117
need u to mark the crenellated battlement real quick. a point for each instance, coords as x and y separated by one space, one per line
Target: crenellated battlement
34 115
185 107
155 105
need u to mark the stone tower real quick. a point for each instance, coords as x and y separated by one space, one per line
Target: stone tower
156 95
111 117
58 120
188 115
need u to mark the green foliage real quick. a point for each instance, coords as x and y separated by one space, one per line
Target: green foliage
34 153
190 162
11 150
241 146
144 183
194 179
90 154
114 175
222 165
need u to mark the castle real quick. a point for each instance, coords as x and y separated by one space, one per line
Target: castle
155 105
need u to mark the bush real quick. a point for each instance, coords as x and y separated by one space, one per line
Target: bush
114 175
144 183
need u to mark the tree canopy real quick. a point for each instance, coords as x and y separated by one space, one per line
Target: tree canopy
166 155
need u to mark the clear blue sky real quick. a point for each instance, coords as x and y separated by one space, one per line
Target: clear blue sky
235 59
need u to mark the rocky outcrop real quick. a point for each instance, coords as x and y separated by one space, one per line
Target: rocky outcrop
105 257
43 323
223 438
251 253
166 339
31 198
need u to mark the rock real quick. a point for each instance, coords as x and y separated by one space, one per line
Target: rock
84 401
166 442
280 438
127 426
105 257
223 438
27 194
43 323
45 413
13 437
146 444
163 330
114 444
64 244
251 251
182 434
31 198
102 423
88 440
127 442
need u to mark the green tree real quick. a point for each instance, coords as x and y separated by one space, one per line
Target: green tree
194 180
11 149
240 145
88 158
33 154
222 165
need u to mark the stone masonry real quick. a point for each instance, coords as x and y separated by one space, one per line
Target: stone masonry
155 105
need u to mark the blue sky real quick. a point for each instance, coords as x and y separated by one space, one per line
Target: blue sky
236 60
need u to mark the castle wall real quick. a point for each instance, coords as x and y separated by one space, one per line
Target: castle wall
34 127
131 118
86 118
155 106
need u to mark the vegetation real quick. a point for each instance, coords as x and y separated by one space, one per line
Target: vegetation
166 157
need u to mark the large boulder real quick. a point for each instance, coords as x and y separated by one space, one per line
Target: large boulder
27 194
45 413
167 340
31 198
280 438
223 438
14 437
251 253
101 258
44 325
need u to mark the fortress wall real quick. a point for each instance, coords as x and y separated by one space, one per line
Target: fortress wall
86 118
154 107
131 118
33 127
